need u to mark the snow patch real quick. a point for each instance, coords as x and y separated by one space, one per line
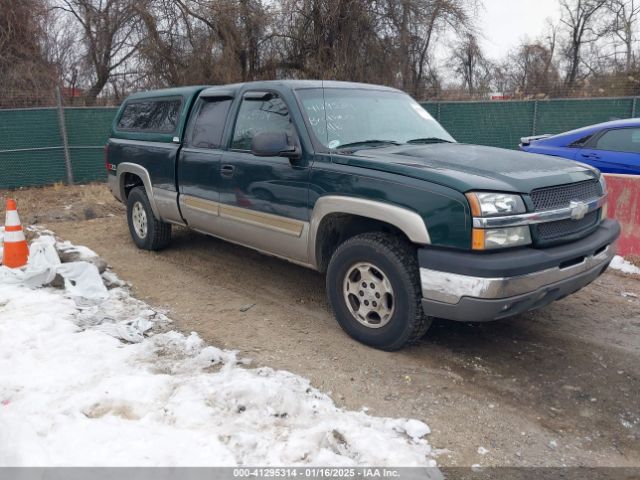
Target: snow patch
86 380
416 429
83 253
111 280
619 263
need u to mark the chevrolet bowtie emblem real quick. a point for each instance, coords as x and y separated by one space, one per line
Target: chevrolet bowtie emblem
578 210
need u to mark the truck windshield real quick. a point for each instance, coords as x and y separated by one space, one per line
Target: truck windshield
367 118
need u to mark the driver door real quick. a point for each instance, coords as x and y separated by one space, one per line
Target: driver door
263 200
614 151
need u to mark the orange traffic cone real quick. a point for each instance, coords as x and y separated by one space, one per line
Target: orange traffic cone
16 250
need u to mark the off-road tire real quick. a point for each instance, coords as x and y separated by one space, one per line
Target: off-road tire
158 233
398 259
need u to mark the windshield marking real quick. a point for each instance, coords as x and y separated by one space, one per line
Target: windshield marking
363 119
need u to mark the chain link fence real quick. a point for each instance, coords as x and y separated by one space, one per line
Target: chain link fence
504 123
41 146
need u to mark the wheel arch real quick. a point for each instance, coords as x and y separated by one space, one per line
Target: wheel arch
126 170
331 212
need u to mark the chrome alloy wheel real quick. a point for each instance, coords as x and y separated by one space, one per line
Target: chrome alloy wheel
369 295
139 217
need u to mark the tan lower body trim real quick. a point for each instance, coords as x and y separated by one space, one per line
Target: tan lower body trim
261 219
269 221
207 206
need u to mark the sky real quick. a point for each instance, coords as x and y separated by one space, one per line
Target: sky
504 23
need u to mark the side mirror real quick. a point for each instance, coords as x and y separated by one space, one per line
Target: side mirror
274 144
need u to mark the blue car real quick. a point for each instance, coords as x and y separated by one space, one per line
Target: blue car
611 147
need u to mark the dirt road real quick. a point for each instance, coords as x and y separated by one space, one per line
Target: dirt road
557 387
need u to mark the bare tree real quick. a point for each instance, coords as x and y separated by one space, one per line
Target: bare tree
108 30
333 39
417 25
237 30
112 47
579 21
531 68
26 75
469 62
625 15
60 42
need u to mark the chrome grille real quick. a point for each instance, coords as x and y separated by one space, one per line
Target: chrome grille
561 196
551 231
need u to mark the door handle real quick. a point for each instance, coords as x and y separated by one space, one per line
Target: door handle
227 170
592 156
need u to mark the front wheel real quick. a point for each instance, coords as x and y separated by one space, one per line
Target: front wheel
373 284
146 230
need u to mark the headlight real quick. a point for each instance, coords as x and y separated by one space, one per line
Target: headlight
493 238
489 204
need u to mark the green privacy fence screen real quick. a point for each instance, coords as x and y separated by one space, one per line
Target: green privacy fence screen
503 123
88 131
32 146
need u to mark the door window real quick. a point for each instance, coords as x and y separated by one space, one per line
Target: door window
209 125
267 114
620 140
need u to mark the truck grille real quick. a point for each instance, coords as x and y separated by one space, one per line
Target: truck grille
552 231
562 195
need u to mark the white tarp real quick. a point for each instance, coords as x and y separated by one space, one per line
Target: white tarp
81 279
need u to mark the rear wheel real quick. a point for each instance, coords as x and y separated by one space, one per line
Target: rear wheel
146 230
373 284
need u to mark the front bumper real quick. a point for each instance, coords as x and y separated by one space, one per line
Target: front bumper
482 287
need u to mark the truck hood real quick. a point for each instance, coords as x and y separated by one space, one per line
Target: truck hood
471 167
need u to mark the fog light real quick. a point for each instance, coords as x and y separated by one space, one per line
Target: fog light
495 238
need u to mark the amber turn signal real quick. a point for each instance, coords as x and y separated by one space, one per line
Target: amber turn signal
476 211
478 239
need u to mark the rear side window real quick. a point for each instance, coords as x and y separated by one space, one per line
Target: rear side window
620 140
157 115
209 125
581 142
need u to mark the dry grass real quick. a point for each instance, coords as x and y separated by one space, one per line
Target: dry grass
60 202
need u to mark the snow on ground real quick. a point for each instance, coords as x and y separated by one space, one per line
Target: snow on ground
91 377
619 263
82 252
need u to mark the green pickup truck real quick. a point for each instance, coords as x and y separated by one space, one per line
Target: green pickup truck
360 182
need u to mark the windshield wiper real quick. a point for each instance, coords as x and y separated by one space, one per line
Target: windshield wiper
428 140
368 143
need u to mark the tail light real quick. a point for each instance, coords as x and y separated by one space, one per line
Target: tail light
108 166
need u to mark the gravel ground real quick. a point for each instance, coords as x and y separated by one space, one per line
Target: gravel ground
560 386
